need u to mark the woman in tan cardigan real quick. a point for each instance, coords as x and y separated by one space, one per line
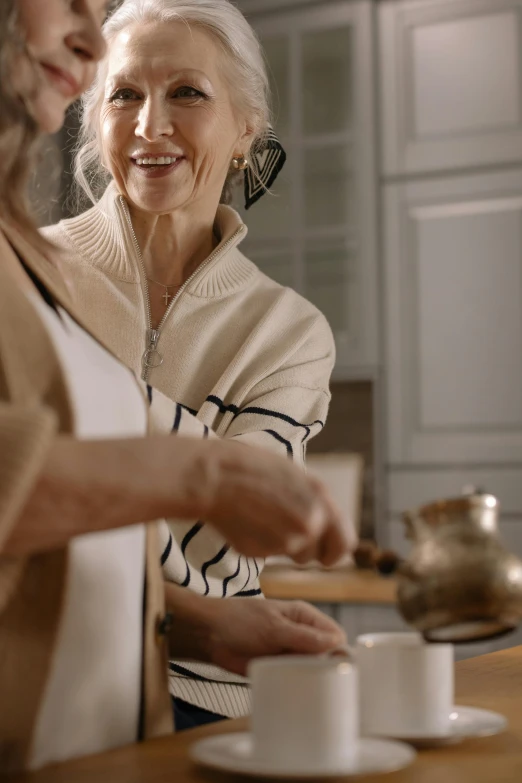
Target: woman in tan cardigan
83 630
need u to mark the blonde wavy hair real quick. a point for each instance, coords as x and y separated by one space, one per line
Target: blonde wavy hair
245 67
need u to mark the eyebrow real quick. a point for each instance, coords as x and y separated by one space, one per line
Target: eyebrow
129 76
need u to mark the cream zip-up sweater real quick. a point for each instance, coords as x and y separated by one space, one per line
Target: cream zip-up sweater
250 359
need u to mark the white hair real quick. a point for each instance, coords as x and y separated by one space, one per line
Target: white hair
249 85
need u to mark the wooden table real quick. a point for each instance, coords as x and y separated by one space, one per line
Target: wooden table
491 681
342 585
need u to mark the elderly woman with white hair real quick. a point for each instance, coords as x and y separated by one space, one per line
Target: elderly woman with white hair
178 114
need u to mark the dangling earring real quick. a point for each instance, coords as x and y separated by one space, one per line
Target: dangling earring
240 163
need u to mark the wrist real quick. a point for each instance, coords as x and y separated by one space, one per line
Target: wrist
192 475
192 634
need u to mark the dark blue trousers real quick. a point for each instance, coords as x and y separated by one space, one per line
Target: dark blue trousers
187 716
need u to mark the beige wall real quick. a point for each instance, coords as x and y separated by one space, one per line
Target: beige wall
350 427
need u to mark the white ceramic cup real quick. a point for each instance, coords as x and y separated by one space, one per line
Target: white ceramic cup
406 685
304 709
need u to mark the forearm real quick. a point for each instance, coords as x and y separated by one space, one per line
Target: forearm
89 486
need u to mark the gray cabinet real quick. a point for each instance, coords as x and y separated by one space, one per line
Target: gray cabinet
318 231
451 84
453 291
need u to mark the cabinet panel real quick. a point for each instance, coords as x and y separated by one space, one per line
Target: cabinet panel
451 83
326 61
322 213
476 58
453 258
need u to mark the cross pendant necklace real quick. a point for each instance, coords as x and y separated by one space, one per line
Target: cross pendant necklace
166 296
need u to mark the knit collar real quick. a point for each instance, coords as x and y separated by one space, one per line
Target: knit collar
105 240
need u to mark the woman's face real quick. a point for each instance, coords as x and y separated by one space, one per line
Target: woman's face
168 127
64 41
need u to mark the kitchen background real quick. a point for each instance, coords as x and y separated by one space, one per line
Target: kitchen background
399 215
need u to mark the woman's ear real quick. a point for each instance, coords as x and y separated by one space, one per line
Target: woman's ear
246 138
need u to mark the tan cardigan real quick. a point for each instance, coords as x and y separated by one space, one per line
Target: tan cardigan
34 406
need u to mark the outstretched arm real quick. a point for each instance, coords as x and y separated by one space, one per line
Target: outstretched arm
260 503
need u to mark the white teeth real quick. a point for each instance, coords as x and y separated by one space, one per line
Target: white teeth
162 161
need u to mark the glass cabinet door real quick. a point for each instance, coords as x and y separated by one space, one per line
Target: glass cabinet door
308 232
326 76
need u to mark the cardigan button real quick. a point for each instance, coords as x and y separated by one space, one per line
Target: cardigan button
164 626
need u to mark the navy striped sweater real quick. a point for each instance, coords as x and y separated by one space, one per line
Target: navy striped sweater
249 359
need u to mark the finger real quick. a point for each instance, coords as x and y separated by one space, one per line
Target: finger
307 640
313 520
340 537
305 614
307 555
333 546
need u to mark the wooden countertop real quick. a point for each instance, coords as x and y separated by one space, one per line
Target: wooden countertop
343 585
490 681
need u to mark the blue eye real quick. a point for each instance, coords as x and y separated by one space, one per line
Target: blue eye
123 95
188 92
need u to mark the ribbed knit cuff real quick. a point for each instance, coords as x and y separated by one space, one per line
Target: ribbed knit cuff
231 701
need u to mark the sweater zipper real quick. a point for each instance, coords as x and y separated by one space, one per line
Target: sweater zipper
152 358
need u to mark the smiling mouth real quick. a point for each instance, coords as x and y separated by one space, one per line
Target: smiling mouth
160 166
149 163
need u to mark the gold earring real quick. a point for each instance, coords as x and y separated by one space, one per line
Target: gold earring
240 163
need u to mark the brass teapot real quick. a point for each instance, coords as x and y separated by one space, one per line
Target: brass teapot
458 584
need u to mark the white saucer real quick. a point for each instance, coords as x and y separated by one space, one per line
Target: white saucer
466 722
234 753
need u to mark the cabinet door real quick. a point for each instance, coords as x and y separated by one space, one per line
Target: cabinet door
453 288
316 231
451 73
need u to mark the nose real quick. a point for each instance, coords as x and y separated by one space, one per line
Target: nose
154 121
86 40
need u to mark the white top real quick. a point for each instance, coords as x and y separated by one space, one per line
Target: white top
92 698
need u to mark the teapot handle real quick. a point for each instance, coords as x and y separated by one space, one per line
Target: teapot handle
368 555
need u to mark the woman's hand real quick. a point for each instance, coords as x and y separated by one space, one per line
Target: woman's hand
231 632
244 629
263 505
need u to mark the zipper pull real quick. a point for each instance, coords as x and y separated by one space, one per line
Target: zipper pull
152 358
153 336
